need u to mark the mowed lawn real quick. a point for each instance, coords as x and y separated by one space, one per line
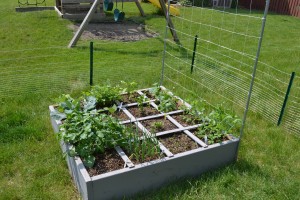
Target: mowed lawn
36 66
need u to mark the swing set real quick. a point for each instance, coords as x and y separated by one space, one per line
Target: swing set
78 9
70 9
31 3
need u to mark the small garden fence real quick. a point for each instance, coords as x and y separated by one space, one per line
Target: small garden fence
55 77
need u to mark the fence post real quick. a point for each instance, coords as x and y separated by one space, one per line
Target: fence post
286 98
194 53
91 63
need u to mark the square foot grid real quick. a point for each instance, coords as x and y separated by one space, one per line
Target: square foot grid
164 128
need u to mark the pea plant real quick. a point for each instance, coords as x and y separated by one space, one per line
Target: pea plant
141 100
129 88
167 102
194 114
87 131
218 125
155 90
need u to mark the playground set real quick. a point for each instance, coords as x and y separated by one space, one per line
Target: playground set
78 9
94 10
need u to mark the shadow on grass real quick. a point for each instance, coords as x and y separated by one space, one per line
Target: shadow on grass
225 176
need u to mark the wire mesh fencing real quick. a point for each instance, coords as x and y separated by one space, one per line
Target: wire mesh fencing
214 61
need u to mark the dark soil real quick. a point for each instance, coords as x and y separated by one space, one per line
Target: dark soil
120 115
126 98
107 104
158 125
147 159
106 162
178 142
147 111
149 95
186 120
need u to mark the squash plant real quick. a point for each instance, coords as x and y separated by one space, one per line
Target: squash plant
87 130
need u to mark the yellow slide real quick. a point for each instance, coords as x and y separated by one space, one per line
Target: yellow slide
173 10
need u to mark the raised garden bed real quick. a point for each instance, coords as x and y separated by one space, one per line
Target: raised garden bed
145 151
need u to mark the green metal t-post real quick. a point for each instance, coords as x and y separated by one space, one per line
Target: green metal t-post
194 53
91 62
286 98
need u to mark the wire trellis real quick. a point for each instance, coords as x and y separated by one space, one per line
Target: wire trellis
227 44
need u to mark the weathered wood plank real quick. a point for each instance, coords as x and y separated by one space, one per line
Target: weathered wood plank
85 22
97 16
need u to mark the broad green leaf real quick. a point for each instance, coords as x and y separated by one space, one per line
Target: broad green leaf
89 161
90 103
72 151
100 134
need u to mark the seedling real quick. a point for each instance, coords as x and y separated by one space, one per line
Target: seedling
141 102
130 88
157 126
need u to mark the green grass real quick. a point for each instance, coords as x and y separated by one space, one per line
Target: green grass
31 163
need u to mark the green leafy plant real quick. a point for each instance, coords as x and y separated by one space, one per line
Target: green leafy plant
86 129
129 88
105 96
194 114
157 126
155 90
66 105
218 125
167 102
90 133
141 103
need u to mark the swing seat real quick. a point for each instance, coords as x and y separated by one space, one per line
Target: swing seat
116 14
108 5
121 16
